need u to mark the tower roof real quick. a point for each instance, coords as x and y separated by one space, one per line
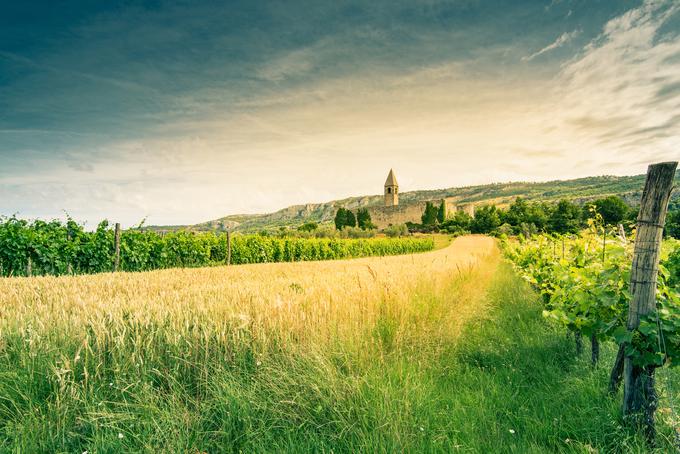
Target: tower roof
391 179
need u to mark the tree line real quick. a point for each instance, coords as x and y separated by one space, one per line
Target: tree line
346 218
529 218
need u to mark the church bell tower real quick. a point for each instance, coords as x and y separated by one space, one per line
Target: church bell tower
391 190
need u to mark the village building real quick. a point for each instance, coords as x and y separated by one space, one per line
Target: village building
393 212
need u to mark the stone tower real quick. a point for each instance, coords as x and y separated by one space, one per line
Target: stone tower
391 190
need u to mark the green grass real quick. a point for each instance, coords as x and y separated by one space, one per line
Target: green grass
508 371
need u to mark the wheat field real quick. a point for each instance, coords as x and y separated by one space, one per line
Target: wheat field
303 302
239 357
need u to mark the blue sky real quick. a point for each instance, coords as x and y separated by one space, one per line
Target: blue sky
186 111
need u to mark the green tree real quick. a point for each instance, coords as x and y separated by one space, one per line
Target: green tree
350 219
441 213
341 218
612 209
364 219
308 227
517 213
566 218
458 223
538 215
673 225
486 220
429 216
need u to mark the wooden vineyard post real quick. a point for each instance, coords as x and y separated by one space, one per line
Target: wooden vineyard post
622 234
554 248
228 247
116 260
639 396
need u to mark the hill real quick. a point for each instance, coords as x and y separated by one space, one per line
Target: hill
578 190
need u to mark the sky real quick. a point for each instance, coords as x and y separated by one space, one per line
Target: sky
185 111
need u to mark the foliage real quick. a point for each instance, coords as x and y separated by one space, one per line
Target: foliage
525 217
673 224
429 216
441 212
565 218
308 227
364 219
487 219
396 230
587 291
344 218
612 209
458 223
673 267
55 248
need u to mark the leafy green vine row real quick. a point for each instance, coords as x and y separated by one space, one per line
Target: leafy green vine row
56 248
584 280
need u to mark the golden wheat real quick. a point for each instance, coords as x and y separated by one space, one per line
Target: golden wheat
306 303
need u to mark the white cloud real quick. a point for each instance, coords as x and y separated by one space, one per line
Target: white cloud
559 42
619 93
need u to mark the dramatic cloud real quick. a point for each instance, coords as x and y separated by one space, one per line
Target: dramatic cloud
185 112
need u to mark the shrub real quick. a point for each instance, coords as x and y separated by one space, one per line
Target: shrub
397 230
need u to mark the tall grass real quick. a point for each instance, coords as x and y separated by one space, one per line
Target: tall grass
217 357
431 352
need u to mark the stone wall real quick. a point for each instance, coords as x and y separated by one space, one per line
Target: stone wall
452 206
383 216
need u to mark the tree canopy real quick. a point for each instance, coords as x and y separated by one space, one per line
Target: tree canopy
429 216
344 218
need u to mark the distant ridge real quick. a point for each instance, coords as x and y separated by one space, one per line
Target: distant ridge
578 190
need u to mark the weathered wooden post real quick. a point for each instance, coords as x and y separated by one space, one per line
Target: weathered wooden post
29 267
116 260
228 247
639 396
622 234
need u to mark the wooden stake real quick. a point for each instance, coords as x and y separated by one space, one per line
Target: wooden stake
594 350
29 267
554 248
622 234
639 396
116 261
